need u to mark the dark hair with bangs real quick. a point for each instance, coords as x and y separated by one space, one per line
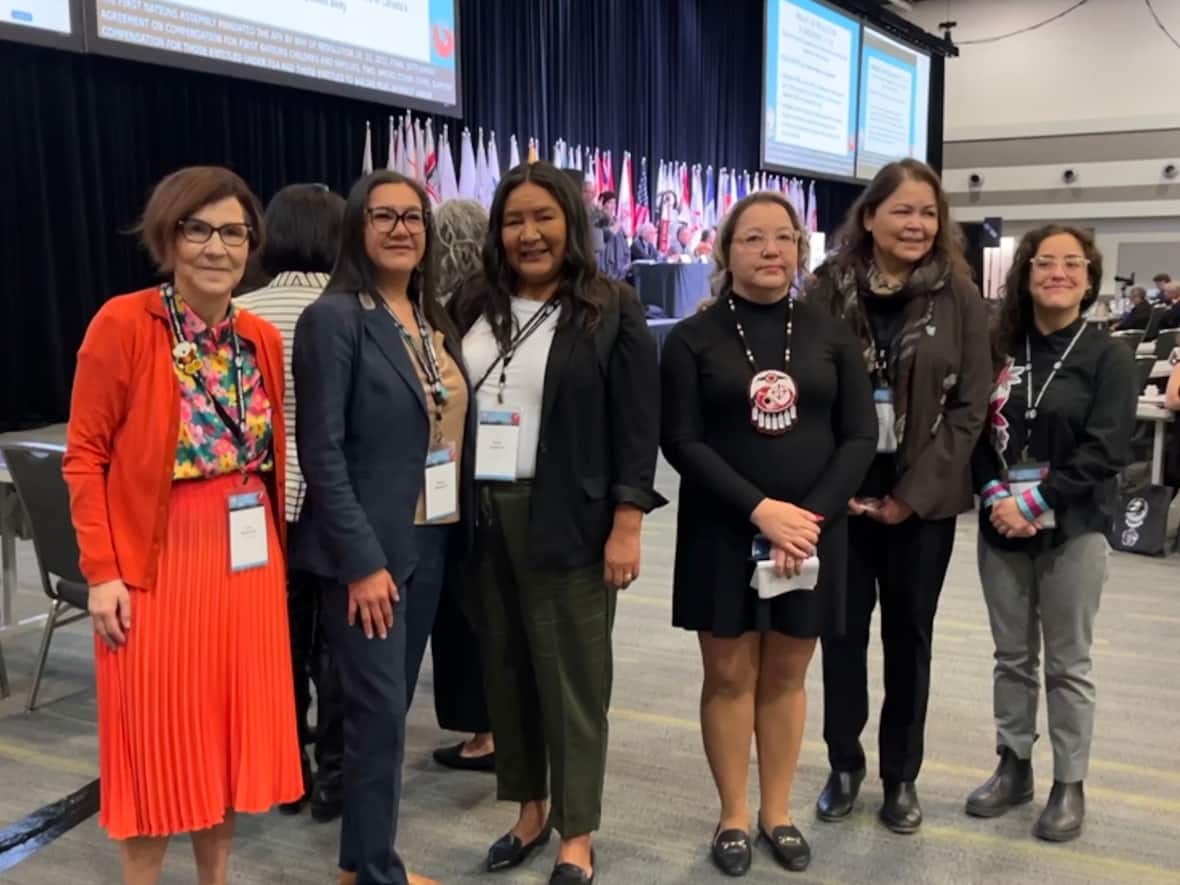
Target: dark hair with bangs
302 229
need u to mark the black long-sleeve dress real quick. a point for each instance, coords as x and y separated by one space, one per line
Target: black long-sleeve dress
727 467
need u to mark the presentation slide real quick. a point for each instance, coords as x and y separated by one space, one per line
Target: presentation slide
894 103
49 22
397 51
812 56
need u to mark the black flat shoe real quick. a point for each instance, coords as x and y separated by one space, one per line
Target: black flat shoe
508 851
1011 785
327 804
839 795
731 851
452 757
572 874
1064 814
789 847
901 811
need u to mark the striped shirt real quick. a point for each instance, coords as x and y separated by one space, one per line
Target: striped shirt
281 303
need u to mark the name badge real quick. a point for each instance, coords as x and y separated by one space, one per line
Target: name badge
497 444
441 483
1029 475
886 421
247 532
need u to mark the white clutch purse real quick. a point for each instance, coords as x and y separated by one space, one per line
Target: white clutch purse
770 585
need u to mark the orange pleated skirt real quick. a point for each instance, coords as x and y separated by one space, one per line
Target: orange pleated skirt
196 713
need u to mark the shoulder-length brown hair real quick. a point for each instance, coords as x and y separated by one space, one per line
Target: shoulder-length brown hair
180 194
1016 312
724 240
854 244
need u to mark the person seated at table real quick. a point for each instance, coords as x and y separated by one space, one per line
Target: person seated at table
704 248
1139 314
645 247
1157 294
681 244
1171 319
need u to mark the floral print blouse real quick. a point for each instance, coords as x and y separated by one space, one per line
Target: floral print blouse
206 447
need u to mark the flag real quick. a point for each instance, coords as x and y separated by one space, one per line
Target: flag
812 210
578 158
493 167
430 166
367 156
608 172
595 172
532 158
411 151
698 198
559 159
643 198
626 204
733 190
513 153
722 193
685 193
484 189
467 180
403 148
391 159
710 199
448 186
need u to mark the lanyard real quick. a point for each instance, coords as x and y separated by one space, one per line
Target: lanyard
746 344
427 360
1034 404
232 424
879 369
504 357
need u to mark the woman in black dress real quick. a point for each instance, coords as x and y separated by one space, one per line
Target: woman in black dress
768 417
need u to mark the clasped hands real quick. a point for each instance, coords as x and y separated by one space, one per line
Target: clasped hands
792 531
1010 522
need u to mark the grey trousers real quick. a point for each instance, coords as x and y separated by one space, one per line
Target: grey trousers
1053 594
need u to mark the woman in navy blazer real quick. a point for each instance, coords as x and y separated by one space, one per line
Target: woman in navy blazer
380 385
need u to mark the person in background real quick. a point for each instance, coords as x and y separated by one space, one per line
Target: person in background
459 703
615 258
599 222
900 280
704 248
303 232
1062 412
644 247
174 462
681 244
1171 319
565 355
785 477
1160 280
385 435
1138 314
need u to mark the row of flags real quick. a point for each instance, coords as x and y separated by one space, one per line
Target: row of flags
684 194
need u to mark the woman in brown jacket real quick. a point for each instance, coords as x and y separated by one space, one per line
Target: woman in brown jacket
900 279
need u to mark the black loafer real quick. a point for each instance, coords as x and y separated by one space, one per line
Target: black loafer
839 795
508 851
452 757
789 847
731 851
572 874
901 811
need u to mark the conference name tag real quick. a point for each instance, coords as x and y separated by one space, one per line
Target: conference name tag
886 421
1022 477
441 485
247 531
497 444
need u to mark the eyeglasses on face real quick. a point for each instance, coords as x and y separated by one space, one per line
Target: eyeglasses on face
196 231
385 219
757 240
1071 263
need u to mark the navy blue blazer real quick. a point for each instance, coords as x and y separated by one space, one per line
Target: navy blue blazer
363 432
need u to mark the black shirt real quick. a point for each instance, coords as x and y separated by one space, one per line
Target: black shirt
886 316
1082 429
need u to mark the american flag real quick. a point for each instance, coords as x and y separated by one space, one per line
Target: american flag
642 203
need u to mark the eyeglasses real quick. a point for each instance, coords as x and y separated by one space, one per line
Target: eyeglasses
385 219
196 231
758 241
1071 263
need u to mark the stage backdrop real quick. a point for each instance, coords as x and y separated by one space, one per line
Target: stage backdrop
85 137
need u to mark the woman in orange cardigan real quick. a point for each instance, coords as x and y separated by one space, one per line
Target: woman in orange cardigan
174 463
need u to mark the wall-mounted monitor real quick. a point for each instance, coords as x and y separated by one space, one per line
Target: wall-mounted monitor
55 23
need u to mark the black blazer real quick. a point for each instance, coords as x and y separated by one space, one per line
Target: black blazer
363 434
600 427
642 250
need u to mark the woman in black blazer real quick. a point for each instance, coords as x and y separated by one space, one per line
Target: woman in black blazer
564 372
385 442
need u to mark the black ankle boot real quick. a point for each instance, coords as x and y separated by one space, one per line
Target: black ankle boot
1064 813
901 811
839 794
1011 785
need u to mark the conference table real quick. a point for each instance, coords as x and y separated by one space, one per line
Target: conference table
1151 408
675 288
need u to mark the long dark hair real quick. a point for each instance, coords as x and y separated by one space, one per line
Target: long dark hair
582 291
1016 313
354 271
854 244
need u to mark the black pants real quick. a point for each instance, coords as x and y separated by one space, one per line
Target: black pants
905 566
459 701
311 662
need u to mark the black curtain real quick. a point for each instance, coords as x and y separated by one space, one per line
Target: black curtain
86 137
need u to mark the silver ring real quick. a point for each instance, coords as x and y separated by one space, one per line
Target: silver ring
626 577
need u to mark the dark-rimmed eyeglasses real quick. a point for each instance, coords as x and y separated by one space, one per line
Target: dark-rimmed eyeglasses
196 231
385 219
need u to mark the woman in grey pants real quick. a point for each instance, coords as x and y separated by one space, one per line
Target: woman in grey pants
1062 411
